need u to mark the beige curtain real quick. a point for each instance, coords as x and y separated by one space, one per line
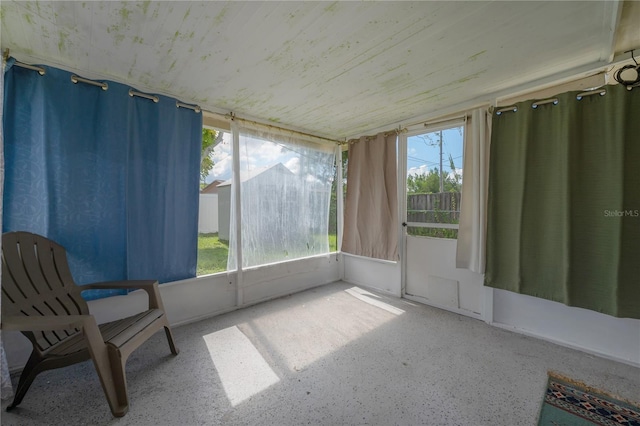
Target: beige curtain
473 205
371 209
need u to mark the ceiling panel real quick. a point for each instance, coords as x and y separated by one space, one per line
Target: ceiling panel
333 69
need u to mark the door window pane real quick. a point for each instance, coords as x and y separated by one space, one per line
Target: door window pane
434 182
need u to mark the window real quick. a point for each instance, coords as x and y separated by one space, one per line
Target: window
285 187
333 207
434 182
213 219
285 191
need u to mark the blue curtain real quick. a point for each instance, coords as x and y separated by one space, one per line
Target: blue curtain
112 178
163 188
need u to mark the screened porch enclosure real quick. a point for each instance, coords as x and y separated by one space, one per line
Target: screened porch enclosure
391 146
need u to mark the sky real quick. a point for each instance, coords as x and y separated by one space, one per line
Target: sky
222 162
259 154
422 154
423 151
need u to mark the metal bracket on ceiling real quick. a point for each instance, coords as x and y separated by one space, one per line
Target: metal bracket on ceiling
401 130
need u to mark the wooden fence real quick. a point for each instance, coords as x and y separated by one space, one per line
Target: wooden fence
443 207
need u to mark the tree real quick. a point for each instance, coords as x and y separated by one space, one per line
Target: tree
429 183
210 139
455 179
333 205
447 183
424 183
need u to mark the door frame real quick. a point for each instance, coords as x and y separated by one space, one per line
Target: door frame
402 207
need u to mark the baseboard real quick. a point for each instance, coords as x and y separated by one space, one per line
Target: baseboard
285 293
525 332
205 316
565 344
209 315
369 287
458 311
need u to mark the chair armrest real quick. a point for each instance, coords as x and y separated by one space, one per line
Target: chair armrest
150 286
45 323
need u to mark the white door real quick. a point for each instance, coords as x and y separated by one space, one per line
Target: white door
433 159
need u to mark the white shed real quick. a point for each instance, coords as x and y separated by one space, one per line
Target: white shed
274 172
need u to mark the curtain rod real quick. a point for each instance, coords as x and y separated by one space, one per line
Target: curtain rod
40 70
5 58
443 121
154 98
600 92
513 108
231 116
397 131
536 104
196 108
405 128
75 79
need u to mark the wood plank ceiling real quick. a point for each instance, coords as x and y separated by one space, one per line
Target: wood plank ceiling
332 69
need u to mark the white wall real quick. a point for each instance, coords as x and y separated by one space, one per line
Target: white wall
202 297
617 338
592 332
269 281
378 274
208 213
432 275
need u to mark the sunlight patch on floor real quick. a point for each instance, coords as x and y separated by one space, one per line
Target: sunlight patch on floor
242 370
373 299
321 327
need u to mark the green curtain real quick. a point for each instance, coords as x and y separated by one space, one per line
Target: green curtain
564 201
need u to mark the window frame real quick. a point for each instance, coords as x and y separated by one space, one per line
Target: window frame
425 129
218 127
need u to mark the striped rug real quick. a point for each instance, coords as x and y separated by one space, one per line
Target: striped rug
568 402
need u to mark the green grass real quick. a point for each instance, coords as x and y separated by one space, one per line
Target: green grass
213 253
333 242
433 232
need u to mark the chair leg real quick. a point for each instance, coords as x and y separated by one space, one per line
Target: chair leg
111 375
115 383
119 382
172 345
30 371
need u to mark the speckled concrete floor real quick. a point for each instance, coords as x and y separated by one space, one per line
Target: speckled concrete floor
335 355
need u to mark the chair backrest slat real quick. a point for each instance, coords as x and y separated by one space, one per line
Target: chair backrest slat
55 269
12 256
44 339
12 296
31 251
61 265
37 281
73 292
